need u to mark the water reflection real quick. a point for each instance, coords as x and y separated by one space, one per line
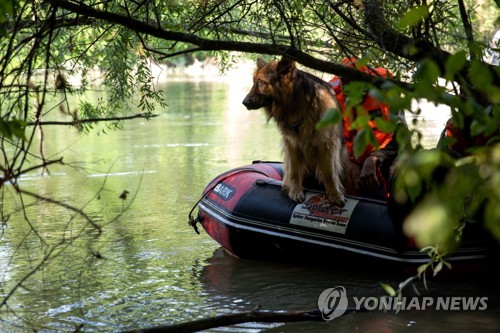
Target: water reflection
143 270
148 267
278 286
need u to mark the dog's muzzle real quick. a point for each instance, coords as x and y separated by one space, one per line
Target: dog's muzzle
254 103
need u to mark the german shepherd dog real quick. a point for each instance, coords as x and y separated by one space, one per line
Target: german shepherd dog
297 100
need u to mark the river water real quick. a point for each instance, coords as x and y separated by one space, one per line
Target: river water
148 267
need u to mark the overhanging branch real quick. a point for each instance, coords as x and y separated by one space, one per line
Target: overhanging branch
394 41
388 38
406 47
222 45
239 318
92 120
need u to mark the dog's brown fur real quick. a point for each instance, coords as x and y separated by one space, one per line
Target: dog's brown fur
297 100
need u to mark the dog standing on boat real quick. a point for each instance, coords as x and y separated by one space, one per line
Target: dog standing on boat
297 100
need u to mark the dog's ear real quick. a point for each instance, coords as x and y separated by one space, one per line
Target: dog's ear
260 63
285 66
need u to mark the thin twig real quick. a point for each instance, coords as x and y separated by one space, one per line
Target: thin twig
62 204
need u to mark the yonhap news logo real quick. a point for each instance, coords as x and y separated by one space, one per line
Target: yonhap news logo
333 303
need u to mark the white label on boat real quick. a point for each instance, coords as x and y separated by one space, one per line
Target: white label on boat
317 212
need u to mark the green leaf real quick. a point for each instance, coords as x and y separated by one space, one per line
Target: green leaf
445 142
360 142
427 71
388 289
386 126
491 140
427 248
438 268
363 138
421 269
433 222
413 16
363 62
480 76
13 128
331 116
6 8
5 129
355 92
494 93
476 50
424 280
458 120
476 128
454 64
17 126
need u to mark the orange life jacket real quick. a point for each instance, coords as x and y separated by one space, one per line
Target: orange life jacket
373 107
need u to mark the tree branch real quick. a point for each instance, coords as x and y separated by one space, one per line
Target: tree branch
393 41
406 47
218 45
467 27
65 205
238 318
146 115
380 30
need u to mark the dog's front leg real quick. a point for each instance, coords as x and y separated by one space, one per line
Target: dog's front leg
330 168
294 173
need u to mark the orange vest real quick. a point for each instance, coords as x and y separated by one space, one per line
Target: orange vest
372 106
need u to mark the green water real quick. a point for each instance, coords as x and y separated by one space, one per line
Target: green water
148 267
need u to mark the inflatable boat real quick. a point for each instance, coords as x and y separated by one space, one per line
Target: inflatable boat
245 211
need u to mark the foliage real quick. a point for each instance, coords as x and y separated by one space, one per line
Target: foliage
435 264
436 51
